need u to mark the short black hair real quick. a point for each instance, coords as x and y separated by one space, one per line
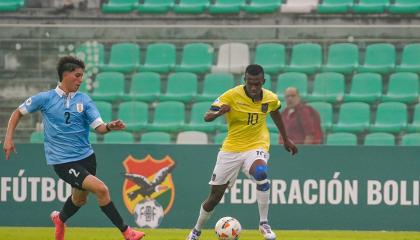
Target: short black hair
68 64
254 70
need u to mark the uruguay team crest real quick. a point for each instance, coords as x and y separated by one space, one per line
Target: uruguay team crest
148 190
79 107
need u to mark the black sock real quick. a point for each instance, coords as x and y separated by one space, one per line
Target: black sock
113 215
69 209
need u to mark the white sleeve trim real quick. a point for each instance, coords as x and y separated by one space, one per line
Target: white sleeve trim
96 123
23 110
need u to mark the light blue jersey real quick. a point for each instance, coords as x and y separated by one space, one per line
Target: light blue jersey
66 123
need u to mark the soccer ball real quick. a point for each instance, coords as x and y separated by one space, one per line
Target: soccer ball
228 228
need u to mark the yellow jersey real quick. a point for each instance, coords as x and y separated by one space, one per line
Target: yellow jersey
247 127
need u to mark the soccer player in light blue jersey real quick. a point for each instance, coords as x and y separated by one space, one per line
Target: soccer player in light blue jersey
67 115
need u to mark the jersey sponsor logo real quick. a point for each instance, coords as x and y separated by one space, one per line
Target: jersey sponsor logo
79 107
264 107
148 180
216 101
28 101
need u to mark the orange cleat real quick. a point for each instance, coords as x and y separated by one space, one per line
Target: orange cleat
60 227
131 234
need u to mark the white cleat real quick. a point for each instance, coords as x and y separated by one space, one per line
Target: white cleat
266 231
194 235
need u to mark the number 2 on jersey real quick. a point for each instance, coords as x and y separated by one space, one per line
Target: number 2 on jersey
67 117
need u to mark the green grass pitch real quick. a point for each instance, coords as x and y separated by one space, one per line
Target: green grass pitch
73 233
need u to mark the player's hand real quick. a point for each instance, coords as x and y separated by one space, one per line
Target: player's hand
223 109
290 146
8 148
116 125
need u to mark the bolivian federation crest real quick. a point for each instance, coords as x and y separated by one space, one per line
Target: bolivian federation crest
148 189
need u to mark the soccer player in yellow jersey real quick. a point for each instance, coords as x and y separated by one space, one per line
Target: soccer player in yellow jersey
246 146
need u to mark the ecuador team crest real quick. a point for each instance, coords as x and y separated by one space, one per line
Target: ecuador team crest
148 190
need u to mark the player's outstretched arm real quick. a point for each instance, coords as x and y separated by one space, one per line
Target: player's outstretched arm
211 115
288 144
8 145
111 126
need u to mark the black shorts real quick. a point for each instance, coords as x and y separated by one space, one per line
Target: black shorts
74 173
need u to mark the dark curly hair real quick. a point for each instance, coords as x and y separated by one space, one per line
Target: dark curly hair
68 64
254 69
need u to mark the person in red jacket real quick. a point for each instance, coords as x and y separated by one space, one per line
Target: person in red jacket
302 122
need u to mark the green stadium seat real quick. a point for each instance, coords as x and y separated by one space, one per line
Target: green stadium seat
134 115
105 109
342 139
379 139
274 138
215 84
37 137
353 117
325 111
11 5
181 87
197 122
145 86
92 53
379 58
267 84
160 57
342 58
220 137
262 6
390 117
292 79
328 87
191 6
226 6
402 87
411 139
405 7
306 58
124 57
84 87
109 86
410 60
192 137
270 124
118 137
371 6
169 117
155 138
196 58
93 138
271 56
119 6
365 87
156 6
335 6
415 125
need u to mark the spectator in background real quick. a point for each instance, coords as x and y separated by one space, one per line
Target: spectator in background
302 122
